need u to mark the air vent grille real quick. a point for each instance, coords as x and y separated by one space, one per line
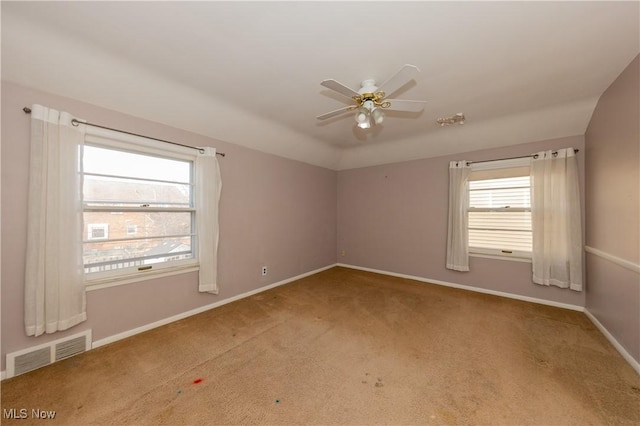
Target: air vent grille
70 347
32 360
39 356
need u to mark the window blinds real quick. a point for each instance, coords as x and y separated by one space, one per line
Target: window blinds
500 212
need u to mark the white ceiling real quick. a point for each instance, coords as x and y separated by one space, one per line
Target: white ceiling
249 73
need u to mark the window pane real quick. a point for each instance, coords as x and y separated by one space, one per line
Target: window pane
115 179
520 221
110 255
97 231
145 224
100 191
501 183
500 230
500 240
128 164
497 198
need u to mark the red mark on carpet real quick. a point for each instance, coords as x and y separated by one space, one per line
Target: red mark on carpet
196 381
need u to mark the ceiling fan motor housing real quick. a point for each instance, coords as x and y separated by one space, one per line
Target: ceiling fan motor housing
368 86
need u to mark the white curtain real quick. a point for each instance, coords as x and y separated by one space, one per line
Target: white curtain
555 216
54 275
208 188
457 234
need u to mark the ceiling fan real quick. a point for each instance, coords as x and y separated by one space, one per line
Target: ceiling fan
370 100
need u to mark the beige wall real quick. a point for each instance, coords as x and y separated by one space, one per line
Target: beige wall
273 211
613 209
394 218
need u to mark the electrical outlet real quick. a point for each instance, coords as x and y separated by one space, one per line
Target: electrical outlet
343 252
264 271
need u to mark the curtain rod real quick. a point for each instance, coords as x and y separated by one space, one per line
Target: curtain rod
514 158
75 122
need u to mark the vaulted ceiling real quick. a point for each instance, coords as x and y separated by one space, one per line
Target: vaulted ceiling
249 72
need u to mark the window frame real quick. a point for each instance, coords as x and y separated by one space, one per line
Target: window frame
110 139
491 253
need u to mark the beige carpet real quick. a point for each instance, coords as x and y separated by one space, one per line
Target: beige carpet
347 347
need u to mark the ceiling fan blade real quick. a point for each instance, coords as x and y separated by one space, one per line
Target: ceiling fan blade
334 113
405 105
402 77
339 87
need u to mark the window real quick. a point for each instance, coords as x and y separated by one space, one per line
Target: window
97 231
132 229
139 210
500 209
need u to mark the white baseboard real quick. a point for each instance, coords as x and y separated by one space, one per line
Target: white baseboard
3 375
635 364
470 288
165 321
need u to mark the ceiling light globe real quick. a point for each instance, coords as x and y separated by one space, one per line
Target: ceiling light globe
363 118
377 115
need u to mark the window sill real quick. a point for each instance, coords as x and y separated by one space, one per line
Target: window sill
499 257
98 284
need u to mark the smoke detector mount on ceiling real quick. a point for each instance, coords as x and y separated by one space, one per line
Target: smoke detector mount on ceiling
459 118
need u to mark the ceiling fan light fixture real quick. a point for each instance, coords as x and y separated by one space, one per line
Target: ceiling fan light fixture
362 115
370 100
366 115
377 116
